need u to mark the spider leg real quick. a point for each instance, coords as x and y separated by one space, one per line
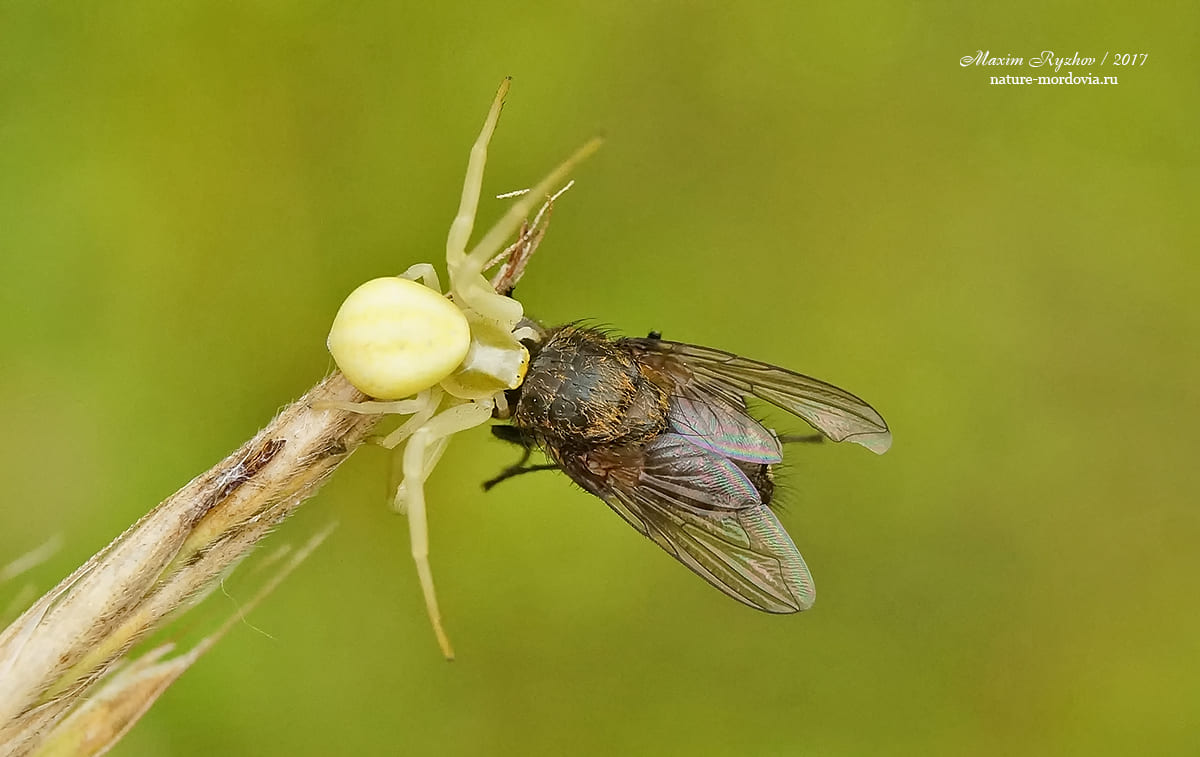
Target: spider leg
373 407
431 398
494 240
469 286
426 273
424 446
464 221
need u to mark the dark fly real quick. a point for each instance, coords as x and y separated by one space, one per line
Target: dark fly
661 432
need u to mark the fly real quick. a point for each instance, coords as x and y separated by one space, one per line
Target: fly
660 431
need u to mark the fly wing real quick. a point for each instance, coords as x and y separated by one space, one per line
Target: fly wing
723 428
745 553
703 511
834 412
679 471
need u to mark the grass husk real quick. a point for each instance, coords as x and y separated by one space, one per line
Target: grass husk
55 653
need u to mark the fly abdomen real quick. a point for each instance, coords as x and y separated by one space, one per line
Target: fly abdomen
762 477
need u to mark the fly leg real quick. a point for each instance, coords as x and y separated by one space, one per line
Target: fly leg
517 470
802 438
514 436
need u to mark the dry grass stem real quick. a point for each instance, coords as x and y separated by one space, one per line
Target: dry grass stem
55 652
96 725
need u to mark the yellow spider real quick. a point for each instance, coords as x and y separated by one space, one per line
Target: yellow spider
444 360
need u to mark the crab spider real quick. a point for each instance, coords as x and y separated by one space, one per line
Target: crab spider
443 360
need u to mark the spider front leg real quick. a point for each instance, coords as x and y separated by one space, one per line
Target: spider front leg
426 273
464 219
417 464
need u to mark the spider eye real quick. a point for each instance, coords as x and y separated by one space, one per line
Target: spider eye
393 338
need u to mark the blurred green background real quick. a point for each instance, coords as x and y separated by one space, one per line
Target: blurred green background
188 191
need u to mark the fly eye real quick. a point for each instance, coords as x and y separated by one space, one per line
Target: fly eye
393 337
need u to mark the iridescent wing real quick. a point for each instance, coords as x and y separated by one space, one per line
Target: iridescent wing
834 412
679 472
703 511
722 428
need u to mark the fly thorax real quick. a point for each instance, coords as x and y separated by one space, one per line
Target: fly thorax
582 389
